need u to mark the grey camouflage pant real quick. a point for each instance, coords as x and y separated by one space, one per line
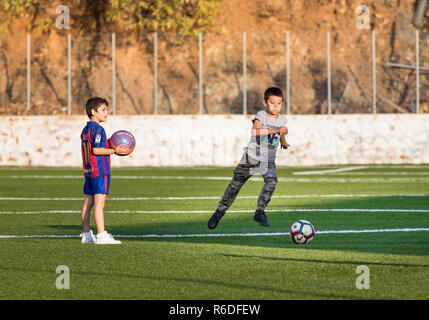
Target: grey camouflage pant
242 172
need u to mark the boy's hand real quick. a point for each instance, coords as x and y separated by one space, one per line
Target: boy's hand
285 146
283 130
122 149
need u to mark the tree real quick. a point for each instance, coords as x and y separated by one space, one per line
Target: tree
186 17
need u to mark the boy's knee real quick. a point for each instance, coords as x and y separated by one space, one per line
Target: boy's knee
235 186
239 180
99 199
89 200
271 183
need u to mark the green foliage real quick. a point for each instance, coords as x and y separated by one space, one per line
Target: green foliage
186 17
10 9
16 7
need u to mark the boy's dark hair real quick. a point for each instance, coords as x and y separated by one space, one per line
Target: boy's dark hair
93 104
272 91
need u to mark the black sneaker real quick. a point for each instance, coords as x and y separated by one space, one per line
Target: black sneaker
215 218
261 218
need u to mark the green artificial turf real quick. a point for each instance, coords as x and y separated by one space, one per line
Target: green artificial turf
168 253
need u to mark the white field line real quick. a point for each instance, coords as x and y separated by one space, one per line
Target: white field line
383 173
320 167
203 235
371 166
229 211
254 179
404 166
118 177
356 180
329 170
299 196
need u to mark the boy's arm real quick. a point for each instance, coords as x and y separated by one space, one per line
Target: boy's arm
121 149
258 131
103 151
284 144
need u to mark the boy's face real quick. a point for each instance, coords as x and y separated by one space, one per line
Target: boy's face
101 114
273 105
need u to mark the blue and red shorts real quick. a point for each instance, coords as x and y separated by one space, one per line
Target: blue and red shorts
96 185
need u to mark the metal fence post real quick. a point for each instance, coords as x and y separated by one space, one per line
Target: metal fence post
69 75
287 73
244 75
328 49
417 73
200 72
155 73
114 73
374 73
28 70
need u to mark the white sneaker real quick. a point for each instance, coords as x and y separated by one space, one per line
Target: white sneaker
106 238
88 237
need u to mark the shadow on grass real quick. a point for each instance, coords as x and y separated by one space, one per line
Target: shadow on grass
407 243
191 280
327 261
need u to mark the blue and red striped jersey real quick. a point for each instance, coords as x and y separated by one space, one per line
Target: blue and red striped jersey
94 136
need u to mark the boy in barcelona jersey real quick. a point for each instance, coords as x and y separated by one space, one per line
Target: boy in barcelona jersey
96 169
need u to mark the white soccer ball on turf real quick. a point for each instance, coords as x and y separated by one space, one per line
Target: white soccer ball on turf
301 232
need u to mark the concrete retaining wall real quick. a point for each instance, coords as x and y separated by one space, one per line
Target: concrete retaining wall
218 140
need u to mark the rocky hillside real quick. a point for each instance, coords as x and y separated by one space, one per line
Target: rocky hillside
265 23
